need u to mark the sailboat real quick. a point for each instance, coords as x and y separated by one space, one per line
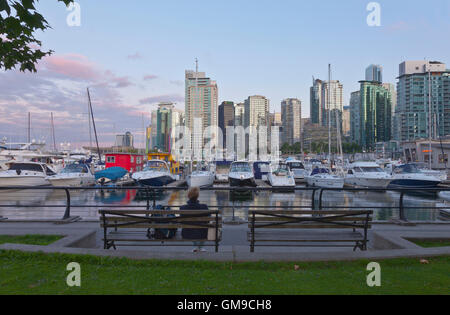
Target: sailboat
322 177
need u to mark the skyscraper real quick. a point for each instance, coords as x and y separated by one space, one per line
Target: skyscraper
375 114
316 102
164 121
201 101
355 117
226 119
346 121
374 73
291 117
256 111
416 80
256 114
320 104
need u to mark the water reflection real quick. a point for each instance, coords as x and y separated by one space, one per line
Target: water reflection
86 203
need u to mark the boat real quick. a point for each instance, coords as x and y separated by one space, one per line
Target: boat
409 176
281 176
203 177
26 174
73 175
321 177
298 170
110 175
261 169
241 175
367 175
423 167
155 174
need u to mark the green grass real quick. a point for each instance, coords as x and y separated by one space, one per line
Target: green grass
29 239
38 273
430 243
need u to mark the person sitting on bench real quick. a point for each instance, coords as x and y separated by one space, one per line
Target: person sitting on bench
195 234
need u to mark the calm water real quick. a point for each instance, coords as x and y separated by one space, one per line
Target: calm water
33 204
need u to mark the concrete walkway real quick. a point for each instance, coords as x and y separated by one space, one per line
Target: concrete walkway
386 241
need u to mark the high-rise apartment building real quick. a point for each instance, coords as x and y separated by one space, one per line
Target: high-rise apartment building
226 119
421 83
256 111
346 121
164 122
374 73
375 114
355 117
316 104
321 104
291 117
201 102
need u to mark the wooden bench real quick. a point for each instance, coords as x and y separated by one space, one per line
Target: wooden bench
129 227
307 226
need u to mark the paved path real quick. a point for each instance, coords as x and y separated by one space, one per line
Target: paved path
386 241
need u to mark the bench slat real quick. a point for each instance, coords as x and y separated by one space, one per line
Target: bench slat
278 219
318 212
150 212
159 226
308 226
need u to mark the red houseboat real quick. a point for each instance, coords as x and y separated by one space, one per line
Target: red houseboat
129 161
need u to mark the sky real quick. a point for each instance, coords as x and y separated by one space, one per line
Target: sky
133 54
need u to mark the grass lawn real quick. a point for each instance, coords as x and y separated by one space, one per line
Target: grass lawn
431 243
38 273
30 239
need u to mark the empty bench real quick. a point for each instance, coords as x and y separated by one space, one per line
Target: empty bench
130 227
318 228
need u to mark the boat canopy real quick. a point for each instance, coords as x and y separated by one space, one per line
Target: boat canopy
321 170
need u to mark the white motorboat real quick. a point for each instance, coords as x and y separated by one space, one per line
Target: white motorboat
73 175
155 174
26 174
321 177
423 167
409 176
241 175
281 176
367 175
201 178
298 170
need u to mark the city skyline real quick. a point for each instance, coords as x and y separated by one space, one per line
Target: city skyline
138 67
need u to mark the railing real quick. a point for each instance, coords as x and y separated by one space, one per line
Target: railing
149 194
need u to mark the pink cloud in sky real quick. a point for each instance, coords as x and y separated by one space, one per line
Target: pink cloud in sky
150 77
73 66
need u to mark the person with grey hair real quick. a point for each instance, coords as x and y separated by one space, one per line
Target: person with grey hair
198 233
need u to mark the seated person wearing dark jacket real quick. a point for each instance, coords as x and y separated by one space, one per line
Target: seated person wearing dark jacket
195 234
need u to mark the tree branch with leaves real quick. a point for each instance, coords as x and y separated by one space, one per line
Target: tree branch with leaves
19 20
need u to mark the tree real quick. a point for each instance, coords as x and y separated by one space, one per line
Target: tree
19 20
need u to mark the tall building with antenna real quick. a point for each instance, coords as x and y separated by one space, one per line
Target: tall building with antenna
201 106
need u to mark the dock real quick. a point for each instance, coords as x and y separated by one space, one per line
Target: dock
178 183
262 183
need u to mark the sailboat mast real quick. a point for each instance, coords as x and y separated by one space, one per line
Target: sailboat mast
430 119
90 126
196 95
53 132
93 123
29 128
329 112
